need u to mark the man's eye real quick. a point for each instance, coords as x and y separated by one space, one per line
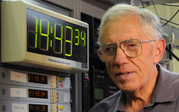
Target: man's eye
110 49
131 45
107 49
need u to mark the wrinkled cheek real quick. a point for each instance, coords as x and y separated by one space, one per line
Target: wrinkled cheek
110 71
108 67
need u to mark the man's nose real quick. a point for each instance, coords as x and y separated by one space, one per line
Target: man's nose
120 57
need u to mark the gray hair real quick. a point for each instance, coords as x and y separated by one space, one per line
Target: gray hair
147 19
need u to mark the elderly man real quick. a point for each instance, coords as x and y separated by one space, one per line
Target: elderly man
131 45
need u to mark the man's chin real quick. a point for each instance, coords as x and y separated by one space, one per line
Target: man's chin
128 88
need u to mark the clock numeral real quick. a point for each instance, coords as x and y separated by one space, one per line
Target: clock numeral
68 41
77 37
83 37
58 40
44 35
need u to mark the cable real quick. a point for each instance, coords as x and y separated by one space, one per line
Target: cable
142 3
154 7
173 5
169 22
163 18
172 54
170 18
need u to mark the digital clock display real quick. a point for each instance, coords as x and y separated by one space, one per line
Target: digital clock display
38 108
40 38
33 93
37 78
55 37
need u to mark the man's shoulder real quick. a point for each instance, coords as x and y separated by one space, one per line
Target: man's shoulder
168 84
174 83
175 78
112 98
107 103
168 74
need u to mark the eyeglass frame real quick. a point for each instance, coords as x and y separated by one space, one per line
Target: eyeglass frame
118 44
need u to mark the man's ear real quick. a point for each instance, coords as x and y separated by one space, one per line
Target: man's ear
158 51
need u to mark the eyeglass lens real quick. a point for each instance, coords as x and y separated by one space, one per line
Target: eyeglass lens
131 48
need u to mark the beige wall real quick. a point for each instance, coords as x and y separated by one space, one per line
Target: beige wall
166 12
175 62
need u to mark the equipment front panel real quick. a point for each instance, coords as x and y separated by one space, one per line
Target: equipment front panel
24 91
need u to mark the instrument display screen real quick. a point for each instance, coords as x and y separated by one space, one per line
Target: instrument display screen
33 93
55 37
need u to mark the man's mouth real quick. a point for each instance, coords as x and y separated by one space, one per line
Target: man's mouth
124 75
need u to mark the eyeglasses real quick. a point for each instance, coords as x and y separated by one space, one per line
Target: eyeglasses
131 48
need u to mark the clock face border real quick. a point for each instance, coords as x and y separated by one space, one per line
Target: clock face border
14 50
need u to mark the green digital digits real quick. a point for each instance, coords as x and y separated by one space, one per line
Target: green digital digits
51 42
83 37
58 37
77 37
69 41
36 29
47 36
43 34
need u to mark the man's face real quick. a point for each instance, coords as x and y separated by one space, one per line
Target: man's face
129 74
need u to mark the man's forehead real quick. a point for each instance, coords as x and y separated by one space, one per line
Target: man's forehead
124 16
123 28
